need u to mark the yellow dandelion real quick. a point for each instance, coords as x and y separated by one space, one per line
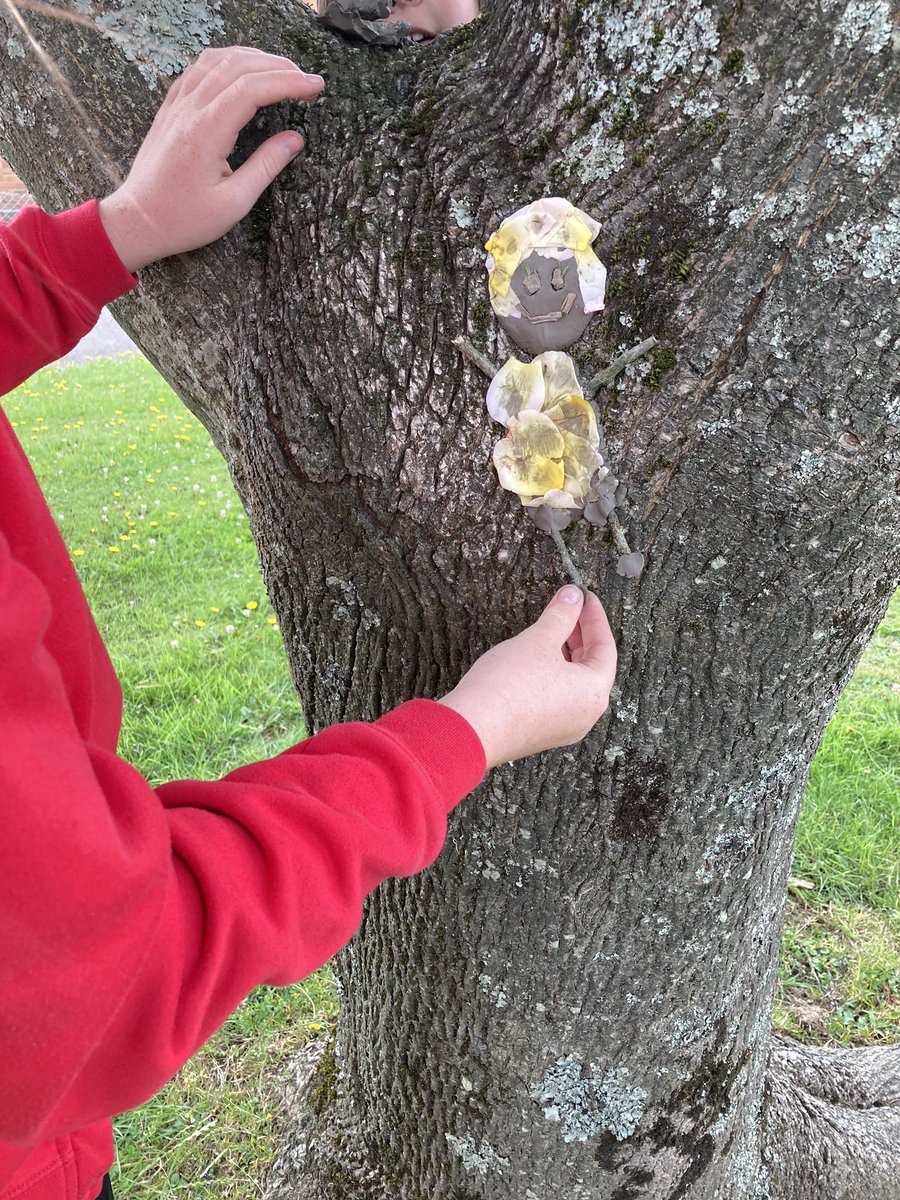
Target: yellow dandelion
251 604
78 553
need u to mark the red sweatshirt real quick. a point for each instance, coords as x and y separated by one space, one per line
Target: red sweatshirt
134 920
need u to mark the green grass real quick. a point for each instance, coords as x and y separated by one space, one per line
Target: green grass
840 956
212 1131
169 567
848 842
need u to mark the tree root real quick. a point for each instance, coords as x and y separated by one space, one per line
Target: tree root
833 1122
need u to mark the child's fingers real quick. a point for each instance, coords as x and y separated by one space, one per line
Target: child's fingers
574 643
598 644
248 183
230 112
560 616
233 64
190 79
174 91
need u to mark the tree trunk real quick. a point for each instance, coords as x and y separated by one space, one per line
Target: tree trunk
575 1000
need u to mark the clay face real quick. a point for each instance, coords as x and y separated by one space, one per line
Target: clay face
551 303
545 280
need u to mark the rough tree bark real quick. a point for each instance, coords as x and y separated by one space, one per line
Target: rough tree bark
575 1000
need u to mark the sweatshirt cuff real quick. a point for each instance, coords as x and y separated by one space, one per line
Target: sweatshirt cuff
83 257
447 747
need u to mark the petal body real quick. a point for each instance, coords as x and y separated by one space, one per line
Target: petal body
529 458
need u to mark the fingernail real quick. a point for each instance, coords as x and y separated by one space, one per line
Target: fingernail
293 142
570 594
314 78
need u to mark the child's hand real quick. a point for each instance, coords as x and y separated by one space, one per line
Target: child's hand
545 687
181 193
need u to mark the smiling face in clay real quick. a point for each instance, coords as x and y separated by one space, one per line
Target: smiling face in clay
428 18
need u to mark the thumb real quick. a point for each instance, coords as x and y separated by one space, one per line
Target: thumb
265 163
561 615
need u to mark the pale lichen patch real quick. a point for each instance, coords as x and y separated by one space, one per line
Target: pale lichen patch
461 213
661 39
870 249
596 155
587 1105
866 138
866 21
162 38
473 1157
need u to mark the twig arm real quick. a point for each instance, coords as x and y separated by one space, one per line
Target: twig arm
481 361
571 570
617 366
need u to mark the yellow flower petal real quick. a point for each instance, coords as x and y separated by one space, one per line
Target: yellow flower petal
555 498
580 461
529 459
574 415
592 277
576 234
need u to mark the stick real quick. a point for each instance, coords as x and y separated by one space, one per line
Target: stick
481 361
617 366
571 570
618 534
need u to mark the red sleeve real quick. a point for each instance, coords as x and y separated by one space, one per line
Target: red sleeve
133 921
56 273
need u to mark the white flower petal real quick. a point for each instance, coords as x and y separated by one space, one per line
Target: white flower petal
517 387
555 498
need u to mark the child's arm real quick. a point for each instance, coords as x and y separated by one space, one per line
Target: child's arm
56 273
134 921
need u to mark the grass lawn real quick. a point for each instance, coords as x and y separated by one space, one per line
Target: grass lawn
163 550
